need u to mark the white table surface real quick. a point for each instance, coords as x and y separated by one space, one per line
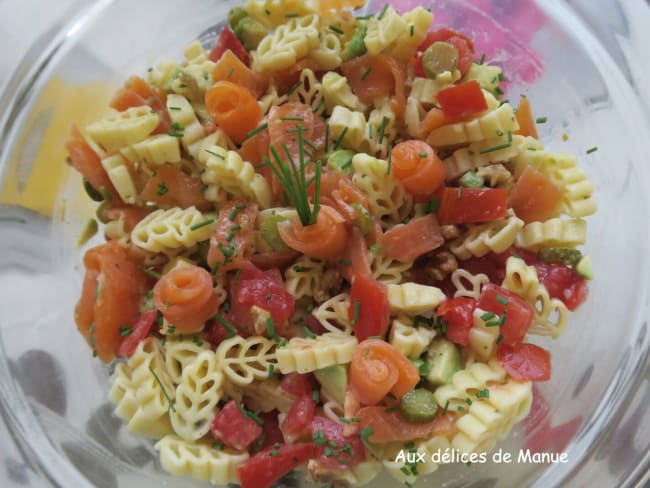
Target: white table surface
23 21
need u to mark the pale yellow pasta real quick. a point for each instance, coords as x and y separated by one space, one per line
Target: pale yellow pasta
461 276
199 460
466 383
413 298
267 395
271 98
562 169
424 90
474 156
161 76
139 390
179 354
381 129
382 33
303 279
480 239
410 341
154 150
388 270
195 77
350 128
413 116
328 54
487 76
333 410
388 200
118 171
552 233
272 13
304 355
417 23
333 314
170 231
401 470
246 360
186 124
197 395
287 44
491 419
229 172
482 339
309 92
550 314
199 149
337 92
123 128
500 120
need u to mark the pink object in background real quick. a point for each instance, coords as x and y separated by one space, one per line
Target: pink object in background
493 26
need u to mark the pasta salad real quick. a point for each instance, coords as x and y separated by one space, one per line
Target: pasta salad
329 239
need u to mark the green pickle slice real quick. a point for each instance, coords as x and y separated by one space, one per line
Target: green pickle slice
438 58
419 405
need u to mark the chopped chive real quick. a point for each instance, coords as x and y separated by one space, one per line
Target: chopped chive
224 321
269 374
423 155
501 299
202 224
253 416
292 119
162 189
482 59
172 133
496 148
345 262
459 193
174 108
214 154
293 89
499 339
541 120
412 30
383 12
374 249
433 206
444 410
340 138
327 137
292 16
382 129
357 310
365 74
336 29
484 393
125 330
592 150
230 73
256 131
509 136
315 396
366 432
343 420
487 316
169 400
308 332
389 163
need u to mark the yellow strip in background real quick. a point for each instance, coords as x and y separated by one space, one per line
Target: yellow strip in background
37 169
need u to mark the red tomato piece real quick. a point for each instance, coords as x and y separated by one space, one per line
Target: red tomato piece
271 432
228 40
563 283
407 242
369 308
268 466
458 313
349 452
525 362
535 197
255 287
462 100
140 330
518 313
391 426
469 205
296 424
297 384
231 427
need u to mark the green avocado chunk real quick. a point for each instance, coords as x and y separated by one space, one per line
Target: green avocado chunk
356 46
250 32
334 381
565 255
235 16
444 359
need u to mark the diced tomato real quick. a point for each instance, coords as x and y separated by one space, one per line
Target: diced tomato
231 427
468 205
518 313
271 432
295 425
406 242
349 452
563 283
458 313
228 40
297 384
462 100
140 330
391 426
369 308
268 466
525 362
535 197
461 42
255 287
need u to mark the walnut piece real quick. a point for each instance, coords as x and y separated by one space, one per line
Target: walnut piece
450 232
440 265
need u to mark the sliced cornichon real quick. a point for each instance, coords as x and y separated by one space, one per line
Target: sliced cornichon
419 405
250 32
235 16
365 221
565 255
356 46
341 160
584 269
444 359
438 58
268 224
88 232
421 365
101 212
93 193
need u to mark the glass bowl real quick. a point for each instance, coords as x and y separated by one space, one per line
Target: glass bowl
53 392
